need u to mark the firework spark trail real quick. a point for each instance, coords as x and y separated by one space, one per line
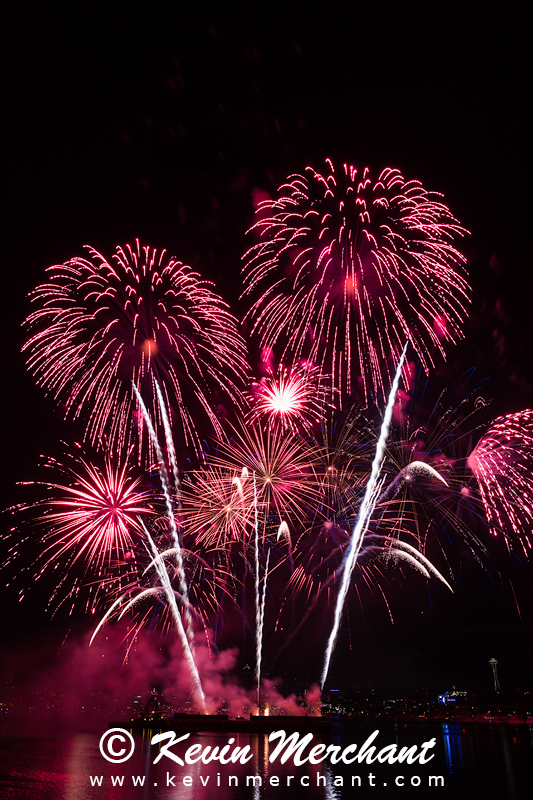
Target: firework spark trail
184 638
257 596
365 509
165 483
182 583
261 626
283 531
169 442
416 469
168 591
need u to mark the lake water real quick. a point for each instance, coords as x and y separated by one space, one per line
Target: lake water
492 761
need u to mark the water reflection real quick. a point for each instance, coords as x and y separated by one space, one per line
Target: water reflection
452 747
488 761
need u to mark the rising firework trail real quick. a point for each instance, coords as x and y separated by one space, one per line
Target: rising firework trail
365 509
171 450
258 631
139 317
346 267
165 484
261 627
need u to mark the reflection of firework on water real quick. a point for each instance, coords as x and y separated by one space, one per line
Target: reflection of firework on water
295 398
502 463
347 268
143 317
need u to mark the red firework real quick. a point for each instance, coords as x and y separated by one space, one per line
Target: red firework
141 317
347 268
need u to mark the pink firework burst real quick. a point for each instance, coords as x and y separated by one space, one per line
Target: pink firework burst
347 267
93 515
295 398
101 326
502 463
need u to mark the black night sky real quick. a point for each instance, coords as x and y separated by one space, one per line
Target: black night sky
164 127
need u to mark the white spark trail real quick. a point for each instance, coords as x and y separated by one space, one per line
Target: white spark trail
165 483
170 443
365 509
162 574
260 628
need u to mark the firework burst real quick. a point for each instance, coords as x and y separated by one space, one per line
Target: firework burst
502 463
218 505
88 524
282 467
348 267
101 326
93 515
296 399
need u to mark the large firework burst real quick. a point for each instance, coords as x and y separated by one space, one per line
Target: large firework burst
348 267
89 523
141 317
